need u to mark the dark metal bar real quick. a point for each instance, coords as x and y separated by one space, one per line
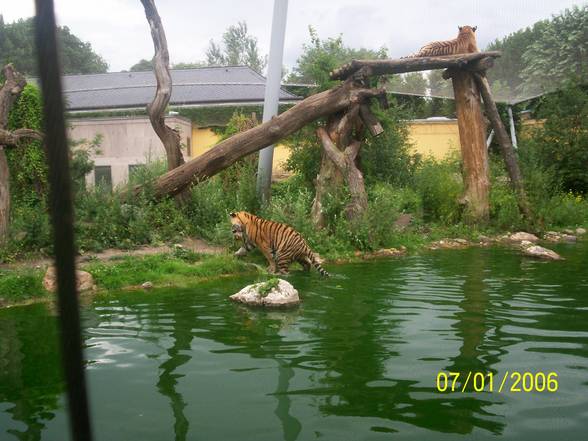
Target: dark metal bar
61 208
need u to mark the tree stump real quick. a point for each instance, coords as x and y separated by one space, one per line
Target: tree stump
474 153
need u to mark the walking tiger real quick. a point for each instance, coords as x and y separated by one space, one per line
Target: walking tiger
280 243
465 43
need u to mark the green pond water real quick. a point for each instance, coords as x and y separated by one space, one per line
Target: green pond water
358 360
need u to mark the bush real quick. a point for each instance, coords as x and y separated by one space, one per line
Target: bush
561 145
439 185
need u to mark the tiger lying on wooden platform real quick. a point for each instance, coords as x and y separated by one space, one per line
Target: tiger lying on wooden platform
465 43
280 243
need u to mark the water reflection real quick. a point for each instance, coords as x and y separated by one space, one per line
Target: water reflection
179 355
30 377
358 359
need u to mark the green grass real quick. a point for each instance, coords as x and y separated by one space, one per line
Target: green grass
20 285
163 269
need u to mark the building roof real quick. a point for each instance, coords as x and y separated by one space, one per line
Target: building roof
190 87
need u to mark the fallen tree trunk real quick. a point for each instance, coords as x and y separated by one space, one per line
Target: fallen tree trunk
156 109
385 67
242 144
505 144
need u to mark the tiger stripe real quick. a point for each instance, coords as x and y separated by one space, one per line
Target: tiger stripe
280 243
465 43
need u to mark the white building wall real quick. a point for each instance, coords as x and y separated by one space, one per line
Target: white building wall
125 141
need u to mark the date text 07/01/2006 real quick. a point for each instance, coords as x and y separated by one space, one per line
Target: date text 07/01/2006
488 382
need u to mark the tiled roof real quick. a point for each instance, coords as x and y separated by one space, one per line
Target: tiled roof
207 85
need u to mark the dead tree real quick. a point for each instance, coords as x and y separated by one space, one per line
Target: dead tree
156 109
13 85
330 103
472 139
227 152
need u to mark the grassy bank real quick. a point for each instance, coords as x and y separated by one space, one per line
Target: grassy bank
23 285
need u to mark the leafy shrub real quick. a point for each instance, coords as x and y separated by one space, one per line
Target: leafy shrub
439 185
561 145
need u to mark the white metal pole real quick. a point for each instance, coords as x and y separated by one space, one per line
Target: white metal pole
272 95
513 133
490 138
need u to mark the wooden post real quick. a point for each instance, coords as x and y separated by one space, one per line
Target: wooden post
506 147
473 146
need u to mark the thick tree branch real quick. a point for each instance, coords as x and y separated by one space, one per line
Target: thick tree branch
331 150
385 67
370 121
14 138
13 85
352 150
242 144
156 109
505 144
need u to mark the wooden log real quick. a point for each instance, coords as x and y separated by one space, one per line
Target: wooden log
370 121
330 176
385 67
242 144
345 162
481 65
473 147
505 144
13 138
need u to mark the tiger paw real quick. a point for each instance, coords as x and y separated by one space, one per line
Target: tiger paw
241 252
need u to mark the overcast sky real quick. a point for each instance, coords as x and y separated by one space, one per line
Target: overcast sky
118 30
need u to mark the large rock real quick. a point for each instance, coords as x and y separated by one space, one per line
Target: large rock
449 244
533 250
580 231
521 235
84 280
553 236
284 294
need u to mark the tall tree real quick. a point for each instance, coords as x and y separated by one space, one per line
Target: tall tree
543 56
17 47
320 57
237 48
142 66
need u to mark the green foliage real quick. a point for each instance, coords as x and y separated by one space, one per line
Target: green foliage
267 286
237 48
561 144
27 164
320 57
21 284
17 46
440 186
387 157
162 269
143 65
543 56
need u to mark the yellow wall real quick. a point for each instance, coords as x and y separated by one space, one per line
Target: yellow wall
429 138
202 140
205 138
530 125
433 138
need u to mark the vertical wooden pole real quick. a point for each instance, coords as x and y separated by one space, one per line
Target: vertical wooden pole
473 146
506 147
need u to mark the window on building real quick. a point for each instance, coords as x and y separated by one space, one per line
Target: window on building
189 147
134 168
103 176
